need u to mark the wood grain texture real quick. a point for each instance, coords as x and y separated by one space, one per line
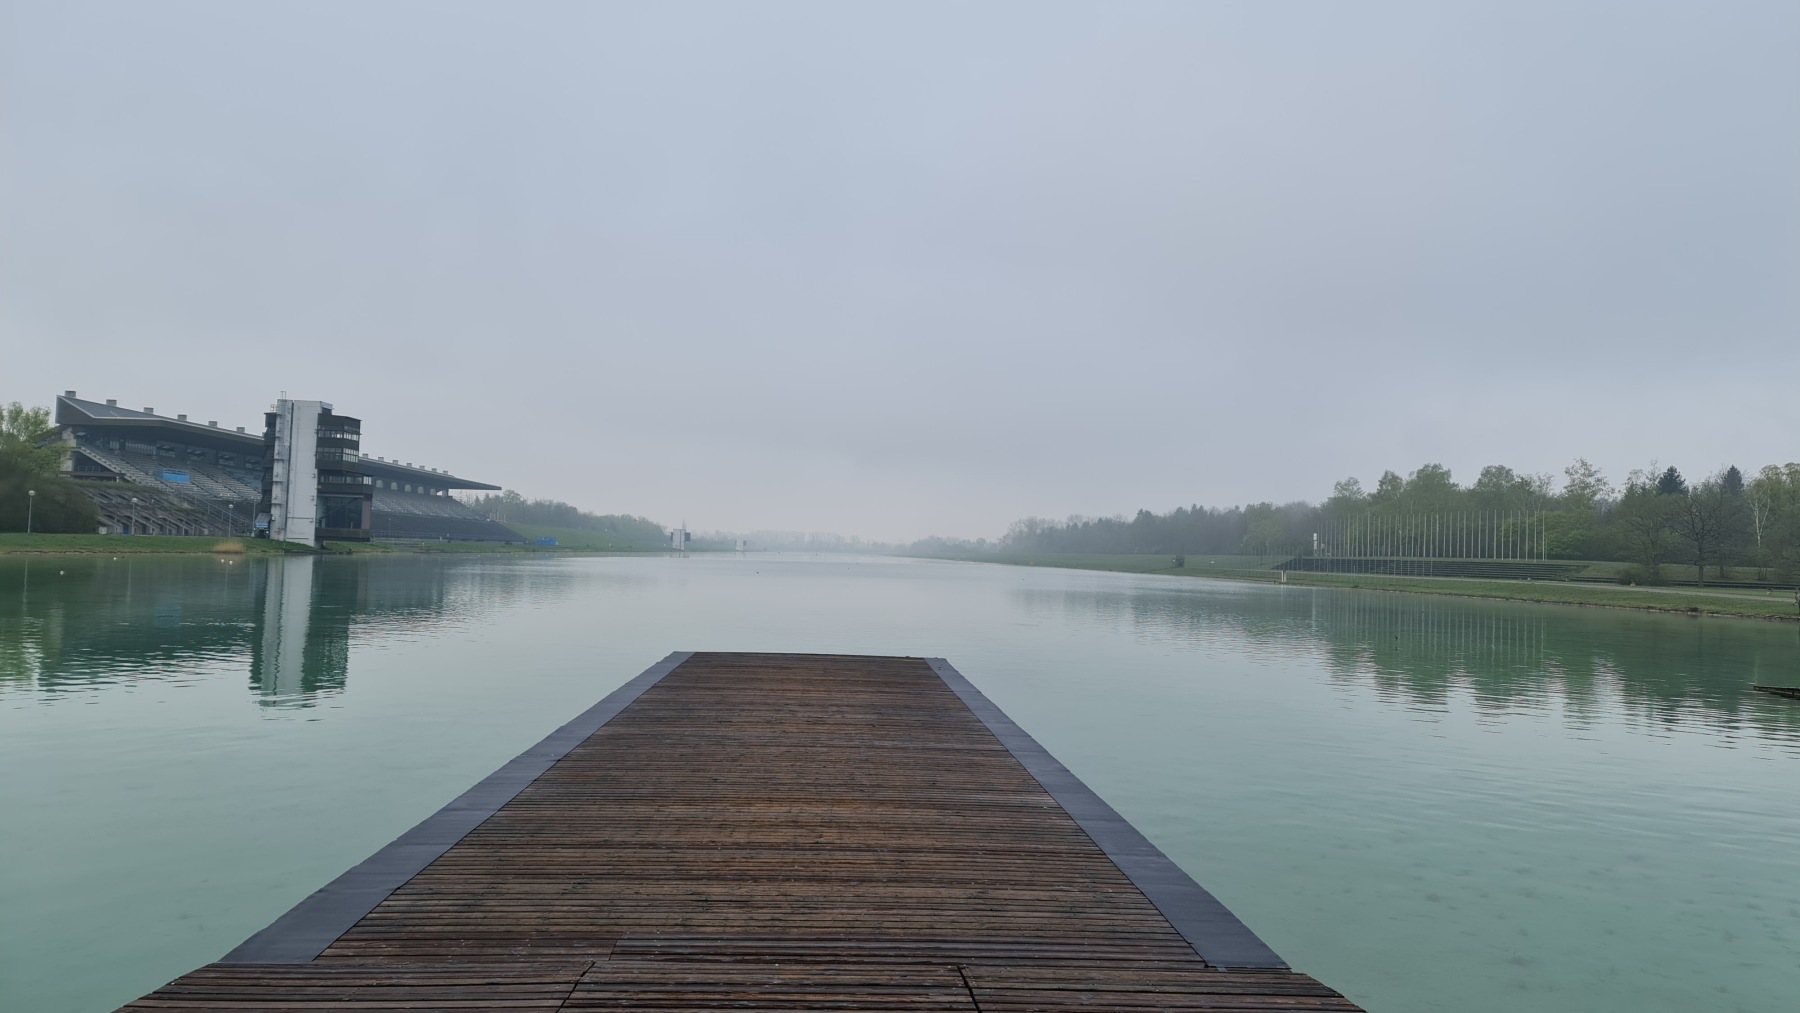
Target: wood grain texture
771 832
312 988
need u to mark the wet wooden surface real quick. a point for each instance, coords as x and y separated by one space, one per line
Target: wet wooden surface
767 832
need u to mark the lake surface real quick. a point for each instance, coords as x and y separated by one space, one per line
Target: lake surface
1428 803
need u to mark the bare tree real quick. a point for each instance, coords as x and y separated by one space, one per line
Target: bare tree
1701 518
1642 518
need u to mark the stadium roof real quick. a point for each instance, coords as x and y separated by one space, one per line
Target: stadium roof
394 470
76 412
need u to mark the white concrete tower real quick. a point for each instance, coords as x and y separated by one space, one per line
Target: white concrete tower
294 479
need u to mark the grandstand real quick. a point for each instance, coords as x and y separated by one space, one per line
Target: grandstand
154 474
403 515
412 502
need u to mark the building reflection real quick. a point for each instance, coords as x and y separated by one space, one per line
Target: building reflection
66 623
301 650
71 624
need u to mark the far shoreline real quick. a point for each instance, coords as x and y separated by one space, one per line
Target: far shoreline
19 544
1698 602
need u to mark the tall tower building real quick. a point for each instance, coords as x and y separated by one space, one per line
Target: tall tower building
312 488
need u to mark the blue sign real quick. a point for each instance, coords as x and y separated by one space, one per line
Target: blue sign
175 475
548 543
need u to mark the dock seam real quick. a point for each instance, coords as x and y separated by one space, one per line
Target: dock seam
962 971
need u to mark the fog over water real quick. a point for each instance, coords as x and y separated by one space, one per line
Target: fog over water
902 269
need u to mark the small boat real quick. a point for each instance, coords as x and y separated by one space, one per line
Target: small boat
1791 692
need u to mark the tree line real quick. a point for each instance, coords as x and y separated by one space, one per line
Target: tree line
1656 518
508 506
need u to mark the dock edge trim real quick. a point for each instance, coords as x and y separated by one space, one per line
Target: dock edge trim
315 923
1220 938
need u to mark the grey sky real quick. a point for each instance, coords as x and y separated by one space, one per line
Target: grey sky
919 268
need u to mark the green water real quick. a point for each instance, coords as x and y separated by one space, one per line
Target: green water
1428 803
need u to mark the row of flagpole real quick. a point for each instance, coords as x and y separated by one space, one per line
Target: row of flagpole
1463 534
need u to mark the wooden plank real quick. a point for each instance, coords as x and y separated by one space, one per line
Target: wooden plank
875 802
925 948
274 988
313 923
771 832
633 984
1216 933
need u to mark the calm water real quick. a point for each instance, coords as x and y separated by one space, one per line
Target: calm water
1429 804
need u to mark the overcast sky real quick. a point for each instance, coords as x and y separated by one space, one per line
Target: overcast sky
903 269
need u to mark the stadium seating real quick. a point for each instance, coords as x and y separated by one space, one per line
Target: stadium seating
150 510
406 515
205 480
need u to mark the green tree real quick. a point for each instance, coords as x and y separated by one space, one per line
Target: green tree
1734 542
1347 499
1700 518
1493 489
1670 483
1573 531
1570 534
1585 485
1388 489
30 462
1431 490
1265 534
1643 519
1773 502
1732 481
24 433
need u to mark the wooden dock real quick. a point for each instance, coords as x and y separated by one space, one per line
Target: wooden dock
765 832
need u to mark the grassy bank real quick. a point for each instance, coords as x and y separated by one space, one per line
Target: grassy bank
1691 601
1754 604
567 540
1122 563
14 542
417 548
588 541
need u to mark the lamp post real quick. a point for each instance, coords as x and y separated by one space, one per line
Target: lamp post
30 504
134 523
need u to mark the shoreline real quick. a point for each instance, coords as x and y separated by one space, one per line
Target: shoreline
18 544
1695 602
1696 611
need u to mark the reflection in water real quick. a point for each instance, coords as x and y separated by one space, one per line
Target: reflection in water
68 624
300 651
290 623
1419 651
1498 800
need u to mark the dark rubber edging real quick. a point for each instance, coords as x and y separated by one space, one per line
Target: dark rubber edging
1208 926
316 922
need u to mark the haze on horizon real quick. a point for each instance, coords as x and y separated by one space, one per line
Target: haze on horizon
908 269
